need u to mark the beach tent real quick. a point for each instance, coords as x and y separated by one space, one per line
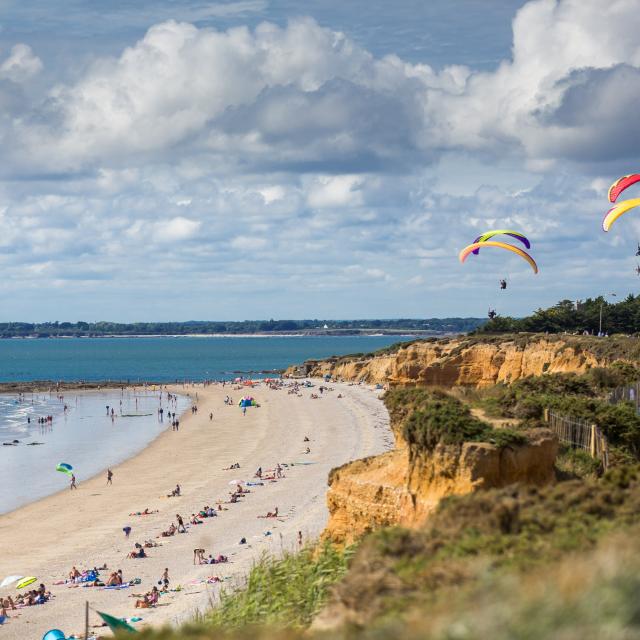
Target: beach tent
10 580
247 401
54 634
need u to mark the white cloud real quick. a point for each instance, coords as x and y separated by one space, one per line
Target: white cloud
21 64
335 191
284 160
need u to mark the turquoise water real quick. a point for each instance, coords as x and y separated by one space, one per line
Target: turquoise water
169 359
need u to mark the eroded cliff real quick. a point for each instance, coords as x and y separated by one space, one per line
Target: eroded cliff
469 361
405 485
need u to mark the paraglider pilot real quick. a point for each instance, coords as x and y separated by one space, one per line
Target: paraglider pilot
638 251
492 314
503 284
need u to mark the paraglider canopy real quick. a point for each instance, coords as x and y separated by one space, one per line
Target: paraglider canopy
63 467
621 184
502 232
617 210
464 254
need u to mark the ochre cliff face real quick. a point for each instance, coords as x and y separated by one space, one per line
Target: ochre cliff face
393 488
460 362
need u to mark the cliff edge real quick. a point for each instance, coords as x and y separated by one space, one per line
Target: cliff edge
471 360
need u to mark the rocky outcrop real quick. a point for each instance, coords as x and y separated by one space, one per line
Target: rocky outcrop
461 361
395 488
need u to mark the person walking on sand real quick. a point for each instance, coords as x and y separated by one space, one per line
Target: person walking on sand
165 579
181 527
109 476
72 485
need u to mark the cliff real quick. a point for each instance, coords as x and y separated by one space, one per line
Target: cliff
405 485
472 361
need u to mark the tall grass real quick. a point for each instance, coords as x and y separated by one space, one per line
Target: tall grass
287 591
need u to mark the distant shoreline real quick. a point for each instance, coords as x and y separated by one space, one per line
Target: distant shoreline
347 333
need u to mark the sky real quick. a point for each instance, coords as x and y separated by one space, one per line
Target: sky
326 159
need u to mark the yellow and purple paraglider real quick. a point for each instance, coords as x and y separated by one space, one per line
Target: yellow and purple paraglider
484 240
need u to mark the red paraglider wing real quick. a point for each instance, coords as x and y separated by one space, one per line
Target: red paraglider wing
621 184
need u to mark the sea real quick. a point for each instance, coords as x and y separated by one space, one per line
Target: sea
170 359
80 424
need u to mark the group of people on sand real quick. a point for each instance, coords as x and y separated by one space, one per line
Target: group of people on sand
149 599
26 599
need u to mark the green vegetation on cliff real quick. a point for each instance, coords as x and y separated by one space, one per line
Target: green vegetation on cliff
432 416
574 316
584 397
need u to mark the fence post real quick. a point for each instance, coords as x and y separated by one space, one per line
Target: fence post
592 441
546 414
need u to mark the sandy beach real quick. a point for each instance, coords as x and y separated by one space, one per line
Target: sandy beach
84 528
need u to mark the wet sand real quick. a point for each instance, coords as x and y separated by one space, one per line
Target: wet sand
84 527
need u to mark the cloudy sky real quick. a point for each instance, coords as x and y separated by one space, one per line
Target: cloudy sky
272 158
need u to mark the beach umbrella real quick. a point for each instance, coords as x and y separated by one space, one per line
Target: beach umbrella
9 580
25 582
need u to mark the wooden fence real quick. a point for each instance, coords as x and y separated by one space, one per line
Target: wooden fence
580 434
629 393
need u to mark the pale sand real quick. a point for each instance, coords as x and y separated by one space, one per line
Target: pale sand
84 527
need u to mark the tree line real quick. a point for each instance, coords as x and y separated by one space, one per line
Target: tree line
97 329
575 317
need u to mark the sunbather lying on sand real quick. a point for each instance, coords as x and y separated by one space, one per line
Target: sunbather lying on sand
218 560
271 514
170 531
146 512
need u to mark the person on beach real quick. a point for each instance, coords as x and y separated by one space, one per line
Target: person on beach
72 484
109 476
165 579
127 531
299 538
198 554
181 527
